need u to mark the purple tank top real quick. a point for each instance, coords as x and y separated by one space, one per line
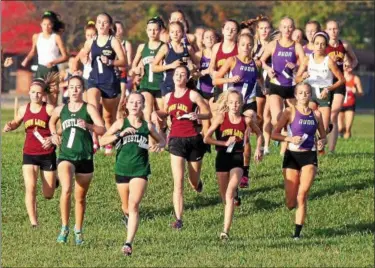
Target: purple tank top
307 51
304 126
248 73
205 82
282 55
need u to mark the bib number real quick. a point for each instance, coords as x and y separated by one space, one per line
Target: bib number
100 65
346 96
150 75
71 137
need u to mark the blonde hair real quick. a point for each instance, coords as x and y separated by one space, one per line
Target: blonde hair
222 102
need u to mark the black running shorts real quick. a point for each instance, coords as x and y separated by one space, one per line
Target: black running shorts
190 148
227 161
81 166
283 92
127 179
297 160
46 162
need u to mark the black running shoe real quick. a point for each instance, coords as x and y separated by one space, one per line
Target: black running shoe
127 249
237 199
177 225
200 186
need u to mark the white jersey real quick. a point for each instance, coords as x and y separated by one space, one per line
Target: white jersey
320 76
47 49
87 69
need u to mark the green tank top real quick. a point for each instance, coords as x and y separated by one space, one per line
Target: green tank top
132 156
150 80
76 142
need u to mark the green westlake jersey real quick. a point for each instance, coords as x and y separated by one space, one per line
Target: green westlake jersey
132 157
76 141
150 80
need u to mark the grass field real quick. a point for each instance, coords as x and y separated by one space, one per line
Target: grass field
338 232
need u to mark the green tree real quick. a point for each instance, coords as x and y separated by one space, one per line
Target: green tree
355 18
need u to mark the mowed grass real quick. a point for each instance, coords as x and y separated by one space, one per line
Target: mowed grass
338 231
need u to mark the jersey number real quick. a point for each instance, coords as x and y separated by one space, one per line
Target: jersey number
100 65
150 75
71 137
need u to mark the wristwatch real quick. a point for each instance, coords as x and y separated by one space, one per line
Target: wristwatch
118 135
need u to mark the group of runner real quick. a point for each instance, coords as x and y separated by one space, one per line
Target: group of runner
178 91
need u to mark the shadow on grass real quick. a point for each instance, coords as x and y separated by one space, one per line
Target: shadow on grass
337 188
200 202
263 189
304 242
346 229
263 204
355 154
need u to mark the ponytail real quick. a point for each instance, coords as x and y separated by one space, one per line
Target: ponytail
52 78
58 25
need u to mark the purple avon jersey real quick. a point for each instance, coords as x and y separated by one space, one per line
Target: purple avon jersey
248 73
282 55
307 51
304 126
205 82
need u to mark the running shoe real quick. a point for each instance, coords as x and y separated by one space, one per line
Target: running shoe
63 236
108 150
266 151
237 199
224 236
244 183
78 237
200 186
127 249
177 225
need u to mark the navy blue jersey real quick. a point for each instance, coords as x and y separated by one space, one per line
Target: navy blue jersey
171 57
101 73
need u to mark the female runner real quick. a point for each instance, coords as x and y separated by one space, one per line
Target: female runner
75 154
38 152
300 159
132 166
103 82
353 89
48 45
185 142
231 134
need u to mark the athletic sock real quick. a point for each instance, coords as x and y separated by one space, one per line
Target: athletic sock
297 232
246 171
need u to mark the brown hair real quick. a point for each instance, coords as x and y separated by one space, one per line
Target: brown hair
316 23
179 23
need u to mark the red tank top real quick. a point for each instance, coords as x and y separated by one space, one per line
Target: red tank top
228 129
339 52
349 95
178 107
221 56
40 120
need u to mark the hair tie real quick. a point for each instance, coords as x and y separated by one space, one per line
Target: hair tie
322 33
91 22
47 13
